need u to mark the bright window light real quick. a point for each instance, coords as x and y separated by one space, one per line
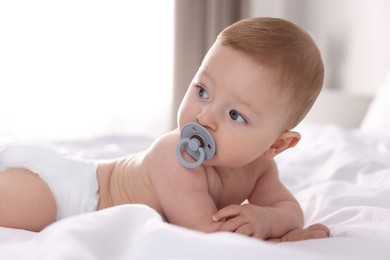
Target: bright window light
79 69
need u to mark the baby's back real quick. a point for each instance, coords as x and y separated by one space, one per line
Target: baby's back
126 181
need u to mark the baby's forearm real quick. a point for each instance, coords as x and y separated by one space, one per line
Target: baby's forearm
285 216
198 222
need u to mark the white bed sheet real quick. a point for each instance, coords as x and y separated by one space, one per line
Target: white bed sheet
341 178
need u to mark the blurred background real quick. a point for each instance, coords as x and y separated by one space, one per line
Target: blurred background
85 68
81 69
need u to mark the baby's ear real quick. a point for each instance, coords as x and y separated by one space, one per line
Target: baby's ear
285 141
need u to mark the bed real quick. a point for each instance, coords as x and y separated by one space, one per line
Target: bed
341 177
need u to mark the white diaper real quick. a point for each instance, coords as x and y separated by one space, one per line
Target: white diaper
73 181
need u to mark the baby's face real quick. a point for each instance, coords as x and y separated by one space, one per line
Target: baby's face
237 100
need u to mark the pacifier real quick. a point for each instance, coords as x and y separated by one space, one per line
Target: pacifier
196 141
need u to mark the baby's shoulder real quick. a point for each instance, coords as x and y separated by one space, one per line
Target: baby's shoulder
164 145
161 154
163 165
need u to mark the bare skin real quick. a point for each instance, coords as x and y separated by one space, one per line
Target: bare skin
26 201
238 190
38 211
246 120
218 190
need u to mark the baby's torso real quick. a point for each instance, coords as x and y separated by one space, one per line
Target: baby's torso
130 180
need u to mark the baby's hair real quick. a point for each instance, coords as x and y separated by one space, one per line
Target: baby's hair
285 47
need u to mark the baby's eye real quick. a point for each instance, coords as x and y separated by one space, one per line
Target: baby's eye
202 92
236 116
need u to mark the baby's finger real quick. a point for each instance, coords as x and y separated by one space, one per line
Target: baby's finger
319 228
317 234
232 224
227 212
245 229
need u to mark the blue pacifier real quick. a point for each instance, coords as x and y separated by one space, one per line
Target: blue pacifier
197 142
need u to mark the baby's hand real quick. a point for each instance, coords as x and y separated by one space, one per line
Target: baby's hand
247 219
312 232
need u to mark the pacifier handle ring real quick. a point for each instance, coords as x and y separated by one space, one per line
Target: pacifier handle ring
184 161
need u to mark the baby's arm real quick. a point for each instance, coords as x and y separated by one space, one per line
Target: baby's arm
182 193
272 210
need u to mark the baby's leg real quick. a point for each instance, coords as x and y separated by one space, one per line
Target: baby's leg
26 202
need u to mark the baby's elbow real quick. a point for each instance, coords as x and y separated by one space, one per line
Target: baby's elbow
299 216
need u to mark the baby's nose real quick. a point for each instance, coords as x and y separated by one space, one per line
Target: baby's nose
207 119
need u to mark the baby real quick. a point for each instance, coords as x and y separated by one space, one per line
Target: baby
256 83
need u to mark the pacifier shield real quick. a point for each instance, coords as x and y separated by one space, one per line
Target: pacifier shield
196 141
